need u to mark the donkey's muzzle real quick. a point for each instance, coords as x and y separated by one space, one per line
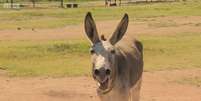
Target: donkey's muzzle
101 74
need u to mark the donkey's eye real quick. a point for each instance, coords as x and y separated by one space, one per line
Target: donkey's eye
112 51
92 51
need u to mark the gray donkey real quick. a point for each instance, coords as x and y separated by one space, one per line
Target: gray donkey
117 66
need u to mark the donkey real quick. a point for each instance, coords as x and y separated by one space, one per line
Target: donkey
117 66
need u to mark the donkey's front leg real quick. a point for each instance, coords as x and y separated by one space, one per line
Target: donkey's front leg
135 91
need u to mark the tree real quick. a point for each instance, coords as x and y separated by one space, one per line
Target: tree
62 3
33 3
11 3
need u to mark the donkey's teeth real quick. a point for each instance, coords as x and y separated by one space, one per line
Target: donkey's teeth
98 84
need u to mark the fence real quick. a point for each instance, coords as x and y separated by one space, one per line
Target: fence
17 4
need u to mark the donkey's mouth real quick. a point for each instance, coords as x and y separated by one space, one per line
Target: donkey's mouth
103 85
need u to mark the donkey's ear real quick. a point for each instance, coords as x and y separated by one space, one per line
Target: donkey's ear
120 31
90 28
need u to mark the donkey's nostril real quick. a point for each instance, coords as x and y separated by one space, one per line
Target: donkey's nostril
107 72
96 72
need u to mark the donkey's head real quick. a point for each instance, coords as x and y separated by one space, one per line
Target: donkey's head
104 52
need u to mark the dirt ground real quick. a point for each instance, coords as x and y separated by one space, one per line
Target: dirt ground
158 25
157 86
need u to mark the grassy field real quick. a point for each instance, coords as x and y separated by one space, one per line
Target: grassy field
56 58
56 17
196 81
71 58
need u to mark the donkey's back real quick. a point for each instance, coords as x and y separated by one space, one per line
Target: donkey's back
130 65
132 52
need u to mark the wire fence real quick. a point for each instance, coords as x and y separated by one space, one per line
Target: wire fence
18 4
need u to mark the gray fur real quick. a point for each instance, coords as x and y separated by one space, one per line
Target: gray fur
121 55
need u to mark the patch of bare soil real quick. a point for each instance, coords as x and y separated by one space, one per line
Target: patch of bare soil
158 25
157 86
169 25
69 32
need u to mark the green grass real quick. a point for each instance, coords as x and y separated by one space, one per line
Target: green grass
196 81
172 52
162 24
55 58
71 58
57 17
